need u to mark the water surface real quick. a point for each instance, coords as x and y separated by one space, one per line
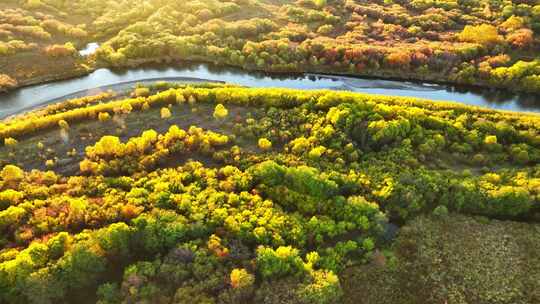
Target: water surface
28 97
89 49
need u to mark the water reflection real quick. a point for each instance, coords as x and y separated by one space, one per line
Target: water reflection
32 96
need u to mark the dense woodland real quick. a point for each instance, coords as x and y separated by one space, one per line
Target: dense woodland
482 42
271 196
215 193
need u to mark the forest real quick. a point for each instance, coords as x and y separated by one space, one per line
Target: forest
191 191
221 194
490 43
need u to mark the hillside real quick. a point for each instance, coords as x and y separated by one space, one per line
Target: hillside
481 42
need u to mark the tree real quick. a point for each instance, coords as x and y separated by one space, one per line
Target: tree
278 263
523 38
325 29
64 125
399 59
142 92
240 278
12 215
220 112
58 50
323 288
513 23
10 142
531 83
10 197
33 4
483 34
265 144
319 3
104 116
106 146
165 113
7 83
12 173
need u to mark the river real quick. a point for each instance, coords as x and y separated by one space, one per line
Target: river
102 79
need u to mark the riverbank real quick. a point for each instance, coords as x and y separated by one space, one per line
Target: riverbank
322 71
325 71
36 95
51 78
120 89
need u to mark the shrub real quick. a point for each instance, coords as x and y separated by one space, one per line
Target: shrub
109 293
522 157
11 216
522 39
10 142
278 263
440 211
33 4
104 116
398 59
220 112
10 197
479 159
63 124
509 201
7 83
265 144
324 288
491 144
240 278
180 99
319 3
12 173
484 34
58 50
50 163
165 113
142 92
368 244
317 152
325 29
106 146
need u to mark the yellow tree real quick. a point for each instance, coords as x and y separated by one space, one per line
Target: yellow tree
220 112
12 173
483 34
